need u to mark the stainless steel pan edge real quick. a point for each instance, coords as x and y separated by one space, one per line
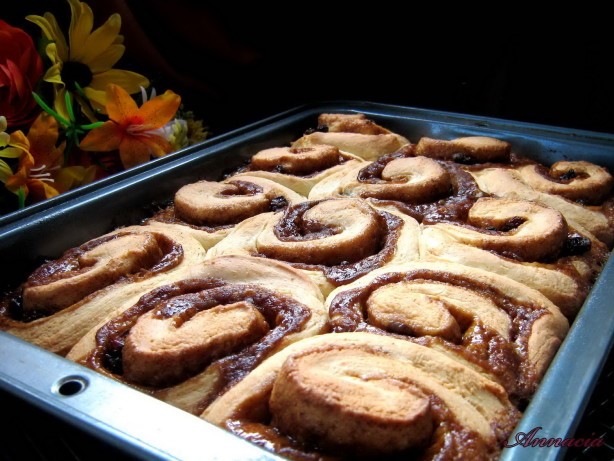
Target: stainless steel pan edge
557 406
114 412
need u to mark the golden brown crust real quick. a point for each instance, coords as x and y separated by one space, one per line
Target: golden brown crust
515 183
418 178
354 134
295 175
472 149
536 249
351 390
465 307
184 342
58 332
334 240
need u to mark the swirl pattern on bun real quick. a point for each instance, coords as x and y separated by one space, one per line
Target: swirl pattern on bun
187 341
66 297
353 133
358 393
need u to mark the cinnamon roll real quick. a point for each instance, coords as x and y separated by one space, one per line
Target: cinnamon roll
468 150
359 394
524 241
189 340
210 209
581 191
66 297
299 168
428 190
507 329
334 241
353 133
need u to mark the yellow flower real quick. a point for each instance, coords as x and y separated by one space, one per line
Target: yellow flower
87 59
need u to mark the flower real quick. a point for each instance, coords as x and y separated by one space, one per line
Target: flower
40 174
20 68
175 132
131 129
86 61
4 137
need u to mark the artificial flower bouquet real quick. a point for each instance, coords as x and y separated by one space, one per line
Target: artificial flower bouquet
67 116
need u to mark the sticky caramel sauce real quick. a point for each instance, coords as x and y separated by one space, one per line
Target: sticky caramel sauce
68 265
448 439
283 314
454 207
507 360
307 175
291 227
244 188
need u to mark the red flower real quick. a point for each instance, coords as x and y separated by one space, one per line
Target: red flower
20 68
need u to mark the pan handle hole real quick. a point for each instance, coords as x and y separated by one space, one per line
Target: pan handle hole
70 385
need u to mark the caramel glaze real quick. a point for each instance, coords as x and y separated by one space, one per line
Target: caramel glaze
507 360
68 265
463 192
292 227
244 188
448 440
284 316
305 174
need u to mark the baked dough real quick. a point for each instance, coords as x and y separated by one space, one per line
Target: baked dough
187 341
333 241
92 281
360 393
353 133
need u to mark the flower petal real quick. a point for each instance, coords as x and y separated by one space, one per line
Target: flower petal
41 190
98 98
73 176
14 182
134 151
19 140
105 138
158 111
43 136
81 23
4 139
5 171
52 31
101 39
11 152
159 146
107 59
59 103
54 74
120 106
129 81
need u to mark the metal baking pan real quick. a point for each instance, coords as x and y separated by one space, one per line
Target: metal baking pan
149 429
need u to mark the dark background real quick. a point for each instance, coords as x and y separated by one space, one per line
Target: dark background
234 63
237 63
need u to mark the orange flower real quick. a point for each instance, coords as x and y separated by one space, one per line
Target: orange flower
40 174
132 129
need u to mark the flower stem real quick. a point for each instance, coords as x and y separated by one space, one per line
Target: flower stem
21 198
49 110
